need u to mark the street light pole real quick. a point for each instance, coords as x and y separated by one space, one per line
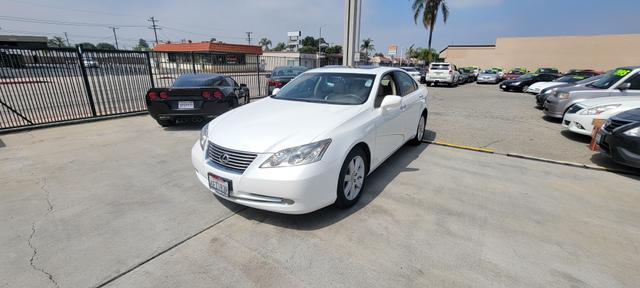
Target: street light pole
351 31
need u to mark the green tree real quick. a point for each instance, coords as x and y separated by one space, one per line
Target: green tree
142 45
105 46
427 12
367 47
265 44
309 42
280 46
87 45
57 41
335 49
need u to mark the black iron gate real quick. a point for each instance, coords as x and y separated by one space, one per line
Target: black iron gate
49 85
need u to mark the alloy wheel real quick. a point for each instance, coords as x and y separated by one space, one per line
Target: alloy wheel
354 178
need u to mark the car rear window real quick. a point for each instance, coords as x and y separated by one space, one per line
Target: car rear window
291 71
439 67
190 81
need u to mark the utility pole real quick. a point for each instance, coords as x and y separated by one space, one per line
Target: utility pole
154 27
249 37
67 37
350 51
115 36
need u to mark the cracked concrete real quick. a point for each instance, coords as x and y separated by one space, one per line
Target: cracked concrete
33 233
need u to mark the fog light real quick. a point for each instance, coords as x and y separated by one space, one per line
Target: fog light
579 126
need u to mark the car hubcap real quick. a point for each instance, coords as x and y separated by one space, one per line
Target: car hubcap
353 178
420 129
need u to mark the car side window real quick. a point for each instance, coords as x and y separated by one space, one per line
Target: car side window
219 82
405 83
387 87
231 82
634 82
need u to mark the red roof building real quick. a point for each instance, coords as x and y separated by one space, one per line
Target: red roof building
214 47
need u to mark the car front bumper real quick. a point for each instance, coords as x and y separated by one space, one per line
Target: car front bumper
533 90
554 107
487 80
580 124
622 149
290 190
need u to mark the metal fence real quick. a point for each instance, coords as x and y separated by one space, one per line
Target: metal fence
48 85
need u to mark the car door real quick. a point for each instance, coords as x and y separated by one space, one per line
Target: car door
634 87
412 100
390 130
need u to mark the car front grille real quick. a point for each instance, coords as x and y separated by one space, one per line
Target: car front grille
228 158
574 109
613 124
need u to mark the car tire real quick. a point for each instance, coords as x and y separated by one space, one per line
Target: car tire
233 102
166 122
349 189
422 124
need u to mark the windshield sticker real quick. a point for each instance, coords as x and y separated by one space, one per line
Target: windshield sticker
578 77
622 72
368 83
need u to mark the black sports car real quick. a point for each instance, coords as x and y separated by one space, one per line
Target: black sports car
282 75
523 82
195 97
619 138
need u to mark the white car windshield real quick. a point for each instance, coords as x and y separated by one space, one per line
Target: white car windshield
330 88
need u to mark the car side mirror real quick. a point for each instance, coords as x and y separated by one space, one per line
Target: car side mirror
390 102
267 76
624 86
243 85
275 91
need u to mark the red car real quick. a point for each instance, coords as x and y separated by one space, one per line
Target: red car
513 74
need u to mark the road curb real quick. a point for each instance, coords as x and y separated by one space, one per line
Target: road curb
476 149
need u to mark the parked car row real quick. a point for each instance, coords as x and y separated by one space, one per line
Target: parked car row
612 98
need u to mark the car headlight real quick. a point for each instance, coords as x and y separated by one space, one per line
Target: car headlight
299 155
563 95
550 91
599 109
204 136
635 132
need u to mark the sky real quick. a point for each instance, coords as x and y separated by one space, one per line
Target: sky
385 21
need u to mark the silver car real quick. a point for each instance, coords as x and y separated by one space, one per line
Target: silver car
488 76
623 81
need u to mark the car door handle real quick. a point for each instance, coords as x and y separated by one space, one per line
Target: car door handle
403 107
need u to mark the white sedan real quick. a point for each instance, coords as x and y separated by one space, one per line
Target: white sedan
579 118
312 143
535 88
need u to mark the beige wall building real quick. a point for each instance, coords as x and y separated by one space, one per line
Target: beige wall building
600 52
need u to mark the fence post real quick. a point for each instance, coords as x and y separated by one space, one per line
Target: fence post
258 66
193 63
153 85
85 77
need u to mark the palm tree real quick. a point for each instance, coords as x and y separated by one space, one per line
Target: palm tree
427 12
367 47
264 43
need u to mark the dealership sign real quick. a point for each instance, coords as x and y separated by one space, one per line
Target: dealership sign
393 50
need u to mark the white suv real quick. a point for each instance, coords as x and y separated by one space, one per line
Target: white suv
442 73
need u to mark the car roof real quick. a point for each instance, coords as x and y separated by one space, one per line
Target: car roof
290 67
355 70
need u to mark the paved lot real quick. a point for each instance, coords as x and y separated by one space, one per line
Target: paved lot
82 204
484 116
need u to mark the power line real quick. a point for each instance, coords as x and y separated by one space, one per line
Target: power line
61 22
67 9
154 27
201 34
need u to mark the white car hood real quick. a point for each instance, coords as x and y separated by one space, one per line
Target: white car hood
625 101
270 125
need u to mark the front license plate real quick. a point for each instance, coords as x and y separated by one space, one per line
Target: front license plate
185 104
219 185
598 137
